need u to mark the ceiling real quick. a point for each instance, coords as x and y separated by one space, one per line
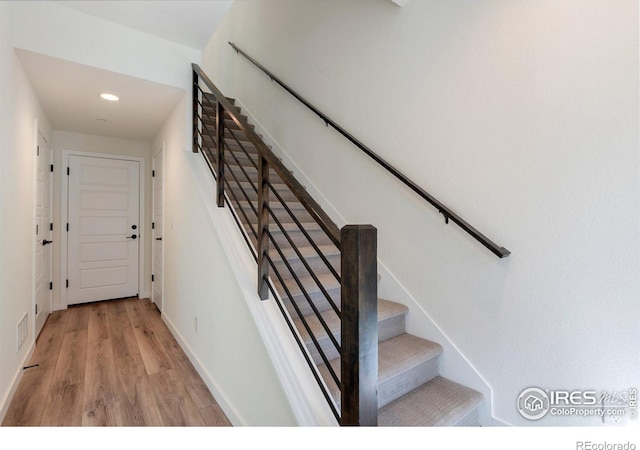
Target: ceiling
70 96
186 22
70 93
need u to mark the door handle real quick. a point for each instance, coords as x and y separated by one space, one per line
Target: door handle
133 236
159 239
45 242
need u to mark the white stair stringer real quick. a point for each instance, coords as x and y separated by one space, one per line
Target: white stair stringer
307 402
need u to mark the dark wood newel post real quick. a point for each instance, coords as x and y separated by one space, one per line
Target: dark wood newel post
220 148
359 342
194 102
263 227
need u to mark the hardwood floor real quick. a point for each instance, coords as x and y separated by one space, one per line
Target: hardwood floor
111 363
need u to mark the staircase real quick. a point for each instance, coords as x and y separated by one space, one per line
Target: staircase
410 390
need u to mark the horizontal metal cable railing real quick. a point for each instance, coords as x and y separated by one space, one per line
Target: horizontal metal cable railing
319 275
447 212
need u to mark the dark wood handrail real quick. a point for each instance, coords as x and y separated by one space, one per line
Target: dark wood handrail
316 211
448 214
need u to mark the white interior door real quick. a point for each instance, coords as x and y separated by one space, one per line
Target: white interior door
158 248
103 237
42 274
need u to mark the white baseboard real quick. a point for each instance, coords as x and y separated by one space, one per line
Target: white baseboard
495 422
6 400
218 394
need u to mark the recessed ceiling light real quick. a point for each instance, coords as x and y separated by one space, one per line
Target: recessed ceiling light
100 119
110 97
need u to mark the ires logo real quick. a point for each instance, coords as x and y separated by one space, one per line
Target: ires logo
573 398
534 403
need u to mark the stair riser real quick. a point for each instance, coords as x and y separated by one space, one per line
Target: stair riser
233 140
282 215
238 157
210 113
405 382
387 329
285 220
250 172
240 146
299 239
319 300
284 192
210 122
470 420
316 264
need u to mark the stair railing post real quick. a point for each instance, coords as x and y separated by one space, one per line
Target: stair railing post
194 100
220 149
359 326
263 227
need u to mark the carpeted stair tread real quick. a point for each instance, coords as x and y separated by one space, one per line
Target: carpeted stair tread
404 363
440 402
390 324
308 252
319 299
282 189
297 209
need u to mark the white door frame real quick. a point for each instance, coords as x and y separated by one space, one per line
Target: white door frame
64 214
37 134
153 247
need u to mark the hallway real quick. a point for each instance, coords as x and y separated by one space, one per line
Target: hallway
112 363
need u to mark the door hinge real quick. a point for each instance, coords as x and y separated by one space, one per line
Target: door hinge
51 167
37 150
36 309
153 174
68 171
153 225
50 227
67 227
67 284
50 285
153 278
37 230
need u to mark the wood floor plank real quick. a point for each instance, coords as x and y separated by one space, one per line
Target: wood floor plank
153 354
122 338
192 381
176 406
94 364
50 340
103 415
138 406
26 407
100 385
213 416
98 326
64 402
78 318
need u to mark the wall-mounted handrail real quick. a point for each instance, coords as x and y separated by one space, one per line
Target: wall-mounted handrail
448 214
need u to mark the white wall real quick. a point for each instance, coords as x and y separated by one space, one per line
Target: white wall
65 140
198 282
522 117
55 30
19 113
